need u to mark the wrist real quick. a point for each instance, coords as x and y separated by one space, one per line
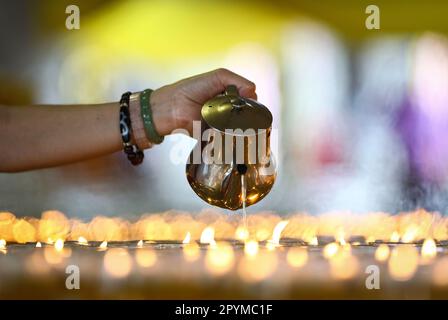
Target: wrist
162 112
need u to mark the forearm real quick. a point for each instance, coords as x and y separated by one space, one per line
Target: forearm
34 137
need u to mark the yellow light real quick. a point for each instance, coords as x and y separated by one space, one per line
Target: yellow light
429 250
82 241
395 237
219 259
187 238
297 257
140 244
403 262
382 252
38 245
146 257
251 248
314 242
59 245
117 262
241 233
191 252
208 236
102 246
330 250
2 243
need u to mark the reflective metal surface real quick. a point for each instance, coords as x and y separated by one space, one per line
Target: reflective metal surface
233 156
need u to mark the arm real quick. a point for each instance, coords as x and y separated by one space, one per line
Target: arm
33 137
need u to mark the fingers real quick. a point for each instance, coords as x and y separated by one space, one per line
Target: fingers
226 77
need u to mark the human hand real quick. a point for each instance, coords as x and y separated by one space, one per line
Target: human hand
177 105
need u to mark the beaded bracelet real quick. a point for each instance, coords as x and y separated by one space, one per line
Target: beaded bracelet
134 154
148 121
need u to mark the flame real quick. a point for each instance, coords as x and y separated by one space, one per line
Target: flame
395 237
251 248
276 234
38 245
187 238
297 257
140 244
220 259
2 244
382 252
59 245
103 245
208 236
241 233
117 262
403 262
429 251
82 241
314 242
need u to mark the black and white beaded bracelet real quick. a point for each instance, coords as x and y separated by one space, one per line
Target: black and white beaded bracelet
134 154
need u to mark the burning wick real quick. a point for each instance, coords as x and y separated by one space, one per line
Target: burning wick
140 244
82 241
208 236
38 245
187 238
429 250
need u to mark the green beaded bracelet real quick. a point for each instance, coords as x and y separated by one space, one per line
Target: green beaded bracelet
148 122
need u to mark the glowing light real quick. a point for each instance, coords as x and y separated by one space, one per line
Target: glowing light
146 257
410 234
258 268
344 266
219 259
241 233
276 234
382 252
103 246
330 250
140 244
24 232
2 243
314 242
208 236
440 274
403 262
429 251
395 237
297 257
191 252
251 248
38 245
117 262
59 245
187 238
82 241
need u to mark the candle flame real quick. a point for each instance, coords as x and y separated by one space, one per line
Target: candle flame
59 245
103 245
395 237
208 236
276 234
429 251
82 241
38 245
140 244
187 238
314 242
2 243
330 250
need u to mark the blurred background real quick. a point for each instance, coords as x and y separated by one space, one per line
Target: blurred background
360 116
